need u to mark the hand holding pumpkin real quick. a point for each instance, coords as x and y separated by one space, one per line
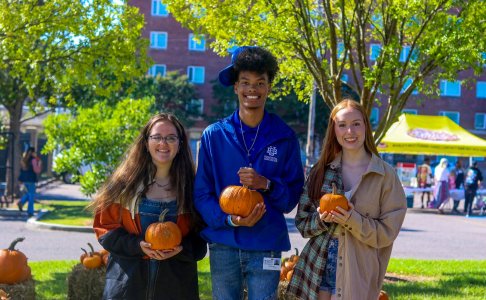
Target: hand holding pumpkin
255 216
340 215
250 178
159 254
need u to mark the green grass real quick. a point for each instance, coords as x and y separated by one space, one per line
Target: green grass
437 279
66 212
416 279
51 278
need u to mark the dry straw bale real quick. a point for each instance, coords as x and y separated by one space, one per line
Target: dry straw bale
86 284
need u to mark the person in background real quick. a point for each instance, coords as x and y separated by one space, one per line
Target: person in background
347 253
424 178
458 184
441 178
156 174
473 180
256 149
30 168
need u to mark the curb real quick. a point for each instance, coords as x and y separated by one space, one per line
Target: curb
33 222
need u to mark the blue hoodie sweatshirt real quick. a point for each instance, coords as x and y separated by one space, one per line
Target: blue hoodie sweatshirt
276 156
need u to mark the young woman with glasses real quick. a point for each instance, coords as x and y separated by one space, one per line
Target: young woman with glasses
156 174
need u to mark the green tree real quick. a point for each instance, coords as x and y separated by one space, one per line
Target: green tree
95 138
172 93
48 46
420 42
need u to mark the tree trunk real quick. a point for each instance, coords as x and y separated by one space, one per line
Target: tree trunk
13 163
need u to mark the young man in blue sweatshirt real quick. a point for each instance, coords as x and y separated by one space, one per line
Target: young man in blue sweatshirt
257 149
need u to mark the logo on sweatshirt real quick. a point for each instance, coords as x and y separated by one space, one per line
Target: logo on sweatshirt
271 151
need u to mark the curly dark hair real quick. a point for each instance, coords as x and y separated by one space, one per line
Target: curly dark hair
256 59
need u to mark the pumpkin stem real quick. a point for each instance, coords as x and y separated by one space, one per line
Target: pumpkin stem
162 215
84 250
334 189
296 251
17 240
91 247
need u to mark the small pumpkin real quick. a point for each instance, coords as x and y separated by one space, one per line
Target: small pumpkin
91 260
289 275
288 265
163 235
239 200
104 256
383 295
329 202
13 265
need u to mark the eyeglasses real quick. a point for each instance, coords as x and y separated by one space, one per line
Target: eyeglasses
170 139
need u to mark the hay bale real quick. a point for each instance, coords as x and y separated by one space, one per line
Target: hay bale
282 290
86 284
21 291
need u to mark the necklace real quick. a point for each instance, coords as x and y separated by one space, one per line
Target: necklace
244 142
161 185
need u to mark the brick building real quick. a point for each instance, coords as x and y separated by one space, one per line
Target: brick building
172 48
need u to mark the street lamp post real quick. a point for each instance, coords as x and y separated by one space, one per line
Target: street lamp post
309 149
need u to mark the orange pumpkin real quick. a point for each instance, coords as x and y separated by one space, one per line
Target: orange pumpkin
329 202
104 256
163 235
239 200
288 265
13 265
383 295
91 260
289 275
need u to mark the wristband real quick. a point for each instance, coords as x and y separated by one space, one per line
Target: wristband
268 187
230 222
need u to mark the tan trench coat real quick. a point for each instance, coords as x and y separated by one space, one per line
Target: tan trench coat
365 241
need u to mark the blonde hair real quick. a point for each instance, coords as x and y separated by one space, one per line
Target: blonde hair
331 147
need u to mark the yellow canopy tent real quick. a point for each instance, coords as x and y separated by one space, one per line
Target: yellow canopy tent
430 135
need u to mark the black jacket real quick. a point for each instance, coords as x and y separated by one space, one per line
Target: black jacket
127 274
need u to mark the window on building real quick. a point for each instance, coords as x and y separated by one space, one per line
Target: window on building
405 52
375 50
374 116
453 115
407 83
196 105
195 74
376 21
344 77
340 50
158 40
197 42
450 88
157 70
409 111
159 9
481 89
480 121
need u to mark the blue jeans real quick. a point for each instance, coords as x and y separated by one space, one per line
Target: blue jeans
328 283
29 196
233 269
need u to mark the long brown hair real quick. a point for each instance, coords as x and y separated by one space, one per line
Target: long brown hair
26 161
331 147
137 169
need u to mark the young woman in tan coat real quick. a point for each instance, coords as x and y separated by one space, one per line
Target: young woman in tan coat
348 251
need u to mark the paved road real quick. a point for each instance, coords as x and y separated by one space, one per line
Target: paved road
423 236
